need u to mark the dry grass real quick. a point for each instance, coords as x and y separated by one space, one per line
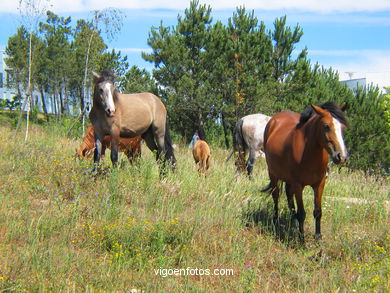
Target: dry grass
63 230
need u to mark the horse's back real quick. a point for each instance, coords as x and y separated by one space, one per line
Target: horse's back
253 130
281 123
139 111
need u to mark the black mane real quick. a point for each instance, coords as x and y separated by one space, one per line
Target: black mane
331 107
106 75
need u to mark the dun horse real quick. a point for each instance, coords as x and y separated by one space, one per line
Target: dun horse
129 115
130 146
248 137
297 147
202 157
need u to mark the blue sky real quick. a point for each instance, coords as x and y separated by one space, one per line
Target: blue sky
347 35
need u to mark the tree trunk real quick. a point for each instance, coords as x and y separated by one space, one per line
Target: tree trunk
202 134
55 106
44 104
225 131
61 101
82 106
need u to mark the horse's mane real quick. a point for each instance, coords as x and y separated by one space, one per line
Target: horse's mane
331 107
106 75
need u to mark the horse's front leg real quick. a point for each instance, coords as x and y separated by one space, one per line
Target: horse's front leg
114 146
317 213
98 151
297 190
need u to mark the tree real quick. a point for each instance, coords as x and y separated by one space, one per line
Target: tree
111 19
138 80
179 56
367 138
114 62
54 65
30 11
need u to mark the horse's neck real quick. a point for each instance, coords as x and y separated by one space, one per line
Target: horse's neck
309 136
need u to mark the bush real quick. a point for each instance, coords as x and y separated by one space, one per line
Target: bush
368 136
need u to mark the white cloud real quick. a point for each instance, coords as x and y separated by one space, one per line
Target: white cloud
133 50
361 63
302 5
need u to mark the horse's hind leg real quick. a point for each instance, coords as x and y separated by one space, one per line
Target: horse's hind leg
290 199
97 152
130 155
250 163
150 143
114 146
301 214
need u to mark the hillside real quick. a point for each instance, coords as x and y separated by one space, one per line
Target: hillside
63 229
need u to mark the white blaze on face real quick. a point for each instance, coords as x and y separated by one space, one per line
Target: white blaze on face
110 99
339 137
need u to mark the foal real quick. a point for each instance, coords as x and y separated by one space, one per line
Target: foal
202 157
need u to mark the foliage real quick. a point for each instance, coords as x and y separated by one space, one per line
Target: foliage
207 74
12 104
368 136
138 80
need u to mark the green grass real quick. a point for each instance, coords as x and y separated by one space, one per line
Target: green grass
63 230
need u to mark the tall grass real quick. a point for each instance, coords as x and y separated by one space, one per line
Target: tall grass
62 229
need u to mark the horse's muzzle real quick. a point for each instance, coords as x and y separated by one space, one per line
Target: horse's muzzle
110 113
339 159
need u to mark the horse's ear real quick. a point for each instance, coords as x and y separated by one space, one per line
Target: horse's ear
318 110
344 107
95 75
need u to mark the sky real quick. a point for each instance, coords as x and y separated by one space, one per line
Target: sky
346 35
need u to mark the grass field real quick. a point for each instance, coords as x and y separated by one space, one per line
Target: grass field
63 230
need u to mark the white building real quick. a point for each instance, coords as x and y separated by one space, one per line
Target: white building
5 93
380 79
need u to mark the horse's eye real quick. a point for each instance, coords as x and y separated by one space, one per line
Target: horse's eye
101 91
326 127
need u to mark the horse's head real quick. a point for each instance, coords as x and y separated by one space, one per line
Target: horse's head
104 92
332 131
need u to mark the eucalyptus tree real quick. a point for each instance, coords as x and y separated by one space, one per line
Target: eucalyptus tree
17 59
30 13
56 33
82 50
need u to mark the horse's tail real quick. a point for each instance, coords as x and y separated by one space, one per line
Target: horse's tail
238 139
169 155
268 188
230 155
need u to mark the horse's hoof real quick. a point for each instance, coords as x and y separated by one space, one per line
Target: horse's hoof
317 236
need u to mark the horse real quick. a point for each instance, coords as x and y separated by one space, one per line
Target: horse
130 146
296 150
202 157
248 137
129 115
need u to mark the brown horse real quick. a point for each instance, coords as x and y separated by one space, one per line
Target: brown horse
130 146
202 157
297 147
129 115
